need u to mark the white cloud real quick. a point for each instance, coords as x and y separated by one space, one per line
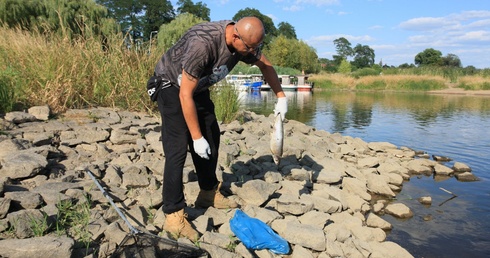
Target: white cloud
466 15
376 27
351 38
426 23
273 17
292 8
449 33
384 47
475 36
480 24
298 5
318 2
221 2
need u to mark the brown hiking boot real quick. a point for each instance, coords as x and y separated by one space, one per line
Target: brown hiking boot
214 198
176 224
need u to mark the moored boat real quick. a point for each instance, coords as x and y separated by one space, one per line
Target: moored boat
245 82
292 83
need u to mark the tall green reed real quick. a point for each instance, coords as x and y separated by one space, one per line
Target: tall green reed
226 102
80 73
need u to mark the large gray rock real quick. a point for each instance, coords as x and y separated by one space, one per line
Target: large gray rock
300 234
40 112
399 210
40 247
24 199
18 117
376 184
255 192
26 222
316 199
18 165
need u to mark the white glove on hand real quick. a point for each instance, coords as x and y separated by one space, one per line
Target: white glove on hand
201 147
281 107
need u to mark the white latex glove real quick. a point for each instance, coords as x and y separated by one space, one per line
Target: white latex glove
281 107
201 147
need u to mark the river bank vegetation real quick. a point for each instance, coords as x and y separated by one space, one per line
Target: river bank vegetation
93 60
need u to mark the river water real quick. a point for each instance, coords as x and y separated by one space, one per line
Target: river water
454 126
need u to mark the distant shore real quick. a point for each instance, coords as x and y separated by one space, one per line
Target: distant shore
459 91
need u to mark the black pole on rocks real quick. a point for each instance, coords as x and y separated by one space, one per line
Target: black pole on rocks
145 244
133 230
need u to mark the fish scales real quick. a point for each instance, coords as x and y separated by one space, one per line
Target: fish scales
277 139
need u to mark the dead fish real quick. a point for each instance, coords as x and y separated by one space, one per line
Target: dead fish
277 139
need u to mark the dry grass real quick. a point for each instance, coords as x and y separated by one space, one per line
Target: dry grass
382 82
74 74
333 81
474 83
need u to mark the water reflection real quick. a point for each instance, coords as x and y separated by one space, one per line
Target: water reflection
449 125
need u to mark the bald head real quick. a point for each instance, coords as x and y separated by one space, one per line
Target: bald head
251 29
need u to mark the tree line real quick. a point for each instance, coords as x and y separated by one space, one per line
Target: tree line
144 19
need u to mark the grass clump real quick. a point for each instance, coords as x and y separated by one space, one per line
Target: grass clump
401 83
391 82
39 226
365 72
80 73
73 219
474 83
226 102
7 82
333 81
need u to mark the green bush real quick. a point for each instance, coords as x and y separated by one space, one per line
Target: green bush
486 86
375 85
226 102
323 84
475 86
365 72
7 90
421 85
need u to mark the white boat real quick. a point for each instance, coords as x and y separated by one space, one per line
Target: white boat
245 82
300 85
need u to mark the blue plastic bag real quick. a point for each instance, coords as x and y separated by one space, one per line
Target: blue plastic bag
257 235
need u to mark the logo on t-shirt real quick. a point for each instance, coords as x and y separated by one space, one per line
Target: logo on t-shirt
218 74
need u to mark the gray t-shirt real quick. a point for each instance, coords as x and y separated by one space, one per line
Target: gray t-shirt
202 52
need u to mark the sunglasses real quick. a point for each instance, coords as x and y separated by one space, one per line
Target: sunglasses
249 49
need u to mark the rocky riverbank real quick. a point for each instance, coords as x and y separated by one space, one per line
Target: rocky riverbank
321 198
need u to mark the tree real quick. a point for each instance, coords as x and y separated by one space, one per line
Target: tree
157 12
128 13
327 64
279 51
429 56
286 29
140 17
451 60
306 58
171 32
70 18
363 56
406 65
344 49
287 52
270 29
20 13
345 67
199 9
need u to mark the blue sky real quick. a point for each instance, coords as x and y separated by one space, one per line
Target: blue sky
397 30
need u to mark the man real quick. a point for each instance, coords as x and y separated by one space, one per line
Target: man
203 56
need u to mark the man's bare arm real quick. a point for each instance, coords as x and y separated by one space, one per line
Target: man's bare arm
187 87
270 75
